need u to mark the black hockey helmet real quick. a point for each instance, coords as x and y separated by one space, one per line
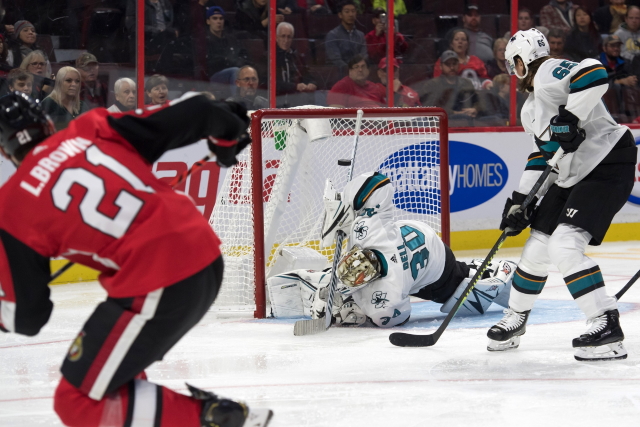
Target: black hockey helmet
22 123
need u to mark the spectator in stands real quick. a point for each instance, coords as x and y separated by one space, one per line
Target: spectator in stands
224 54
157 89
252 16
497 65
4 52
558 15
480 43
159 33
404 96
312 7
616 66
399 8
525 22
609 18
450 91
344 42
63 104
294 84
36 64
584 40
247 84
377 38
556 43
499 96
191 24
468 66
355 90
629 33
93 92
20 80
125 90
22 43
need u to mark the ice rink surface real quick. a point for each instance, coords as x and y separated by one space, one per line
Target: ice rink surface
355 377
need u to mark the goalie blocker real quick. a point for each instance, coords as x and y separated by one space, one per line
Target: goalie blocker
387 262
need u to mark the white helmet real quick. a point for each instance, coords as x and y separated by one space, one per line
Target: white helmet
528 45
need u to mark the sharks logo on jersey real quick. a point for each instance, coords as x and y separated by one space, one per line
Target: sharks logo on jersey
378 299
361 230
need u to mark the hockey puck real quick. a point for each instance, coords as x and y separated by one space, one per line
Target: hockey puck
344 162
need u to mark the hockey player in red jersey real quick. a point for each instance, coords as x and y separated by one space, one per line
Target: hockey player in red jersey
87 193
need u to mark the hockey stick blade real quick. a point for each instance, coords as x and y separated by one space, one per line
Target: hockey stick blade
627 286
309 327
409 340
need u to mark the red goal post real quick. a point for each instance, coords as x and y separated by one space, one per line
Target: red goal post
273 197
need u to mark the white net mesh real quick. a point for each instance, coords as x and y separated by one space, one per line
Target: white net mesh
406 149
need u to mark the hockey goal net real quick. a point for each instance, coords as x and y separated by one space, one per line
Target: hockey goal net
273 196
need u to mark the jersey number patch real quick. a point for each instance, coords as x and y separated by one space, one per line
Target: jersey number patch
414 241
128 204
564 69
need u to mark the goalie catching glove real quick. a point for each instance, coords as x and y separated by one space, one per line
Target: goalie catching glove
345 311
565 130
514 220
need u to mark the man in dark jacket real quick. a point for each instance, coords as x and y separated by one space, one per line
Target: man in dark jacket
615 65
294 84
252 17
224 56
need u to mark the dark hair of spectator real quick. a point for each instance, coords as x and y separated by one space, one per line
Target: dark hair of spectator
556 33
377 12
453 36
526 84
17 74
629 9
592 30
355 60
525 10
346 3
155 80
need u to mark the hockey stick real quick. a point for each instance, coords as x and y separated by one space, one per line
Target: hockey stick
176 180
627 286
315 326
408 340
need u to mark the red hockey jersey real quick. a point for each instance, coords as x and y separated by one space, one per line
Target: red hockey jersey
88 193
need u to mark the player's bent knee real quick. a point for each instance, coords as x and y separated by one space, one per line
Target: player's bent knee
75 408
30 327
566 248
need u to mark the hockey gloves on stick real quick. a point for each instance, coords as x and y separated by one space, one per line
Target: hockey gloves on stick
514 220
345 312
565 130
226 151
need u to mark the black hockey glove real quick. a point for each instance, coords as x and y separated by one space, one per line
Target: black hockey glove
240 111
514 220
226 151
565 130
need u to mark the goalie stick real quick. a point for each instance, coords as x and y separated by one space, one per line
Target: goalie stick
315 326
402 339
176 180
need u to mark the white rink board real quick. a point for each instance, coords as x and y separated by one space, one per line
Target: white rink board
495 156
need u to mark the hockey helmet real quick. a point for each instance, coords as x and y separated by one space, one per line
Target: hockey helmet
358 268
529 45
22 122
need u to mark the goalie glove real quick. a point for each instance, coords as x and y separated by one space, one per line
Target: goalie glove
226 151
514 220
345 312
565 130
338 215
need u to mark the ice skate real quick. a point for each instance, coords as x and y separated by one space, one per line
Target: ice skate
505 335
603 339
217 412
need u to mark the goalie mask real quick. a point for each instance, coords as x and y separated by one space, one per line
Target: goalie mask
358 268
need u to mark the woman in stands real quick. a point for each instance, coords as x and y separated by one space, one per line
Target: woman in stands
497 65
23 42
471 66
36 64
157 90
64 105
584 40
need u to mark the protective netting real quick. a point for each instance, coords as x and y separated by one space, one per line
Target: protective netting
406 149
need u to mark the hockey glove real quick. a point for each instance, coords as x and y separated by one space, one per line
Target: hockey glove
514 220
348 313
565 130
226 151
240 111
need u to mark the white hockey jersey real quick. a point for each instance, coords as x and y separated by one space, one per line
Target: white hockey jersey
580 87
411 253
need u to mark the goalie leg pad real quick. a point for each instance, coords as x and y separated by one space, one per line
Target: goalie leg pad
292 294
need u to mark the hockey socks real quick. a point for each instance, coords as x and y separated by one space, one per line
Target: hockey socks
525 290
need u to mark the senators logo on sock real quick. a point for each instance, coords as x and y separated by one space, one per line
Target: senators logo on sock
75 352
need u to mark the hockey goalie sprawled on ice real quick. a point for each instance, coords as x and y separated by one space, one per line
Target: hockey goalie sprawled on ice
387 262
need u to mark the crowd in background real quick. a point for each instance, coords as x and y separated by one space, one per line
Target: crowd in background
75 55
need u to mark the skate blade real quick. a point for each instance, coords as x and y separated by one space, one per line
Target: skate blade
510 344
613 351
258 418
